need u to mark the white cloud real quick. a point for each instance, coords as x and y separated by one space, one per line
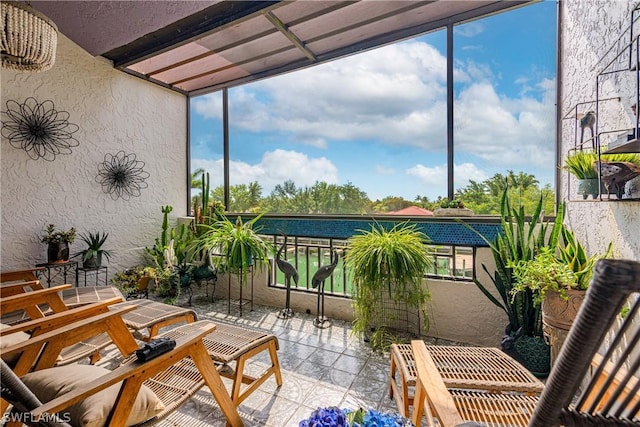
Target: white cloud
436 176
470 29
396 95
274 168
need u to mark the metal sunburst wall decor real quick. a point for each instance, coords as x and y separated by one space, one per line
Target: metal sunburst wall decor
122 176
38 129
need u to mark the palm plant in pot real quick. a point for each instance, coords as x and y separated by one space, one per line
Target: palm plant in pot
93 253
58 243
386 264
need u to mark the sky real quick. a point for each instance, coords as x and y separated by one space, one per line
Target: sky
377 119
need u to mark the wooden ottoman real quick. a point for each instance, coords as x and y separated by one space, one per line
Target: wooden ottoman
476 368
233 343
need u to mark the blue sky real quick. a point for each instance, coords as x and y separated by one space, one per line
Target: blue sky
378 119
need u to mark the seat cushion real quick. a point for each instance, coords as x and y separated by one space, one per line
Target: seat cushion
48 384
11 339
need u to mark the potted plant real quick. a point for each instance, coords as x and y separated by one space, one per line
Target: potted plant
520 240
58 244
580 164
134 281
386 264
453 207
93 253
236 244
558 280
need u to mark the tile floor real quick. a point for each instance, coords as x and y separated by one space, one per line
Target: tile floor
320 367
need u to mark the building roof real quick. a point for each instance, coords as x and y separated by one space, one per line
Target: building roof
412 211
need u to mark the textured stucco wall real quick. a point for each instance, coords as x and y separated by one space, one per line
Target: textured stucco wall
589 29
115 112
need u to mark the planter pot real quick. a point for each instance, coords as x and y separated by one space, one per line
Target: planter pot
58 252
558 316
557 312
588 187
534 354
93 262
453 212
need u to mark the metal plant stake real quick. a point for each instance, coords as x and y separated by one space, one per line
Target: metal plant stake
38 129
122 176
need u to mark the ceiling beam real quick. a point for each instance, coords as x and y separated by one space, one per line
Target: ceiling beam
188 29
290 35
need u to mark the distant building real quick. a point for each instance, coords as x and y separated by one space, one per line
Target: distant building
412 211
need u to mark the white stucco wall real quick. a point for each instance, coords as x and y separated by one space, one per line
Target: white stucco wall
115 112
589 29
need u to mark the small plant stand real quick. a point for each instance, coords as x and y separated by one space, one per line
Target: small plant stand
240 273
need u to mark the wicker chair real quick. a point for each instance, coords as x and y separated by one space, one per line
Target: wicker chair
594 382
173 377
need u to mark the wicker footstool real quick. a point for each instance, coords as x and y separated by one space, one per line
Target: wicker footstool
233 343
475 368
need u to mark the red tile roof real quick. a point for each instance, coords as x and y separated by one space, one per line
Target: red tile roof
412 211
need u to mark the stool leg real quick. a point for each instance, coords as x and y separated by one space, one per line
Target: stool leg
392 375
275 362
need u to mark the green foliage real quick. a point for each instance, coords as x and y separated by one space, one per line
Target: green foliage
320 198
542 274
238 244
127 280
386 261
574 255
206 211
570 269
94 244
54 236
580 163
171 247
519 241
453 203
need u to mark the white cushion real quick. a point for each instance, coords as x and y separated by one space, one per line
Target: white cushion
93 411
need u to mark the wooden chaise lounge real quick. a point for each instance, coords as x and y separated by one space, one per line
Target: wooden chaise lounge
171 377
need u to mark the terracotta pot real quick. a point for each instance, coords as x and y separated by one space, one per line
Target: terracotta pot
557 312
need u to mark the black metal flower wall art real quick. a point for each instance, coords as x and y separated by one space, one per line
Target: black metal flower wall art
38 129
122 176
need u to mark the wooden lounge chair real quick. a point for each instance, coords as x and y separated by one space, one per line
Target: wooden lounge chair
172 378
32 305
152 315
594 382
24 275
